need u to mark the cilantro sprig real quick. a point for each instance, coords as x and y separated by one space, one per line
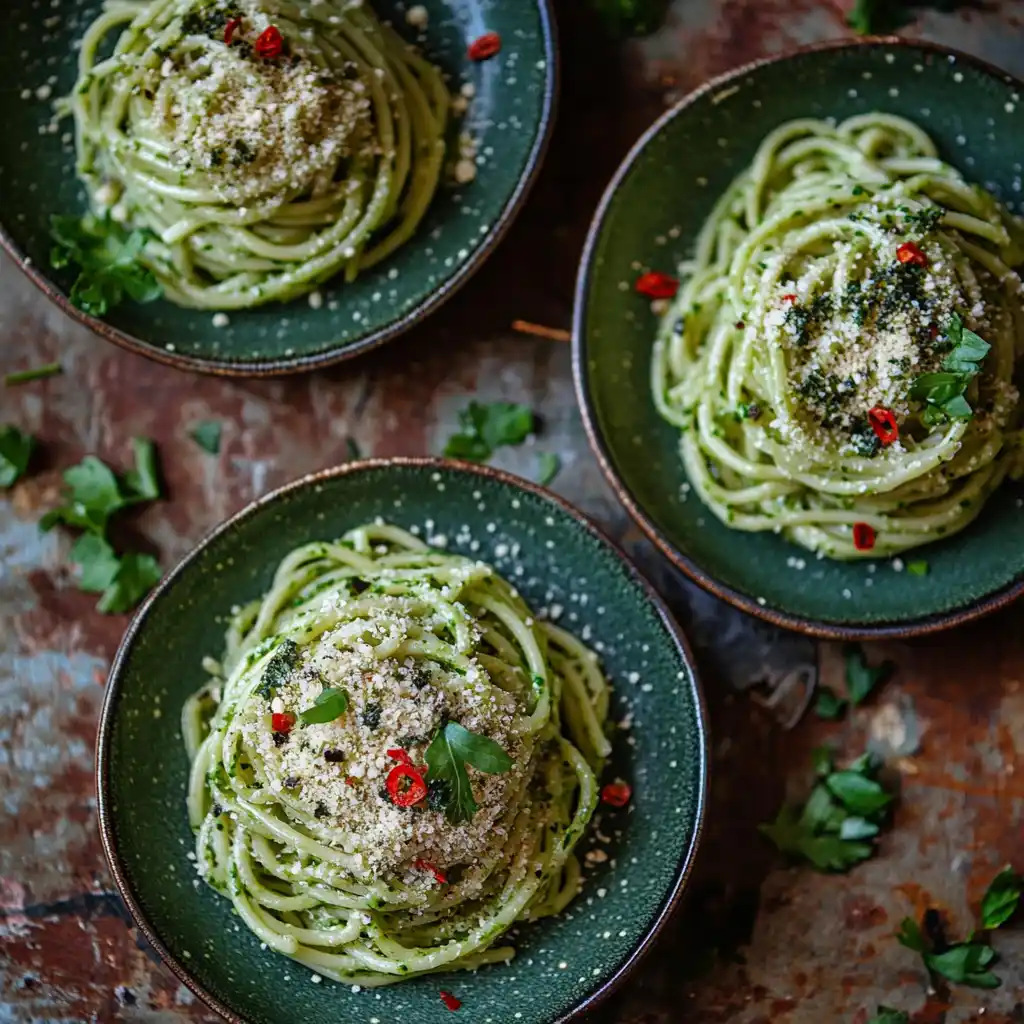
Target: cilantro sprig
942 393
861 681
965 963
449 787
94 493
108 256
485 428
15 452
845 810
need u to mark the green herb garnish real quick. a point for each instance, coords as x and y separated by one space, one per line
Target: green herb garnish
15 452
452 748
279 668
207 435
33 373
371 715
1002 898
964 962
353 449
844 811
862 678
331 704
943 393
919 567
887 1015
136 576
108 257
828 705
548 465
488 427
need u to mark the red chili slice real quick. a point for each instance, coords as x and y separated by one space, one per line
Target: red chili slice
399 755
350 780
450 1001
656 285
283 722
884 424
486 47
908 252
616 794
230 29
863 536
414 793
270 43
789 298
425 865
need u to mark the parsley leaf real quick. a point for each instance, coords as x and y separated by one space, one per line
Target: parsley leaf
862 678
969 350
548 466
843 811
207 436
1002 898
15 452
828 706
137 575
887 1015
331 704
108 256
963 962
487 427
452 748
943 393
98 561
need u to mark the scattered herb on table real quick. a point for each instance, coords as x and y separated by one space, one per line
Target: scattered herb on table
876 17
15 452
352 447
1002 898
918 567
108 257
452 748
548 465
32 373
631 17
965 963
887 1015
93 494
861 680
845 811
485 428
207 435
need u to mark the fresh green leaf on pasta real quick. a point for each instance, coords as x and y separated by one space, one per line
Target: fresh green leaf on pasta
452 748
331 704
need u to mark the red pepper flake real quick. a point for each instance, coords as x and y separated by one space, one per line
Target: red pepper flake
616 794
425 865
908 252
230 29
863 536
884 424
350 780
789 298
656 285
486 47
450 1001
413 793
270 44
399 755
283 722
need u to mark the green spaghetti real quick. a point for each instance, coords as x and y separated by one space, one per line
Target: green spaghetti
394 761
841 354
264 145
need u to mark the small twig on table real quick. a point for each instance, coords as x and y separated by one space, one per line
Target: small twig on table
540 331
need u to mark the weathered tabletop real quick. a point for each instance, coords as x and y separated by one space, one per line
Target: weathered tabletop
757 942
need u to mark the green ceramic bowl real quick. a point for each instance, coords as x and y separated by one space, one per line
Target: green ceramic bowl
565 964
511 116
650 216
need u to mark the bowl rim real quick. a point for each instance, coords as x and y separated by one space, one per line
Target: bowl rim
102 775
285 365
896 629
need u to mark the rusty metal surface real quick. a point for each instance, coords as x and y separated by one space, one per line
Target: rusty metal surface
758 942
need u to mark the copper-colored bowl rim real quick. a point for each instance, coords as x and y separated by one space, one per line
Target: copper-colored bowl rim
284 366
108 834
810 627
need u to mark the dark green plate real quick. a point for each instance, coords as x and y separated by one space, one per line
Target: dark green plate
554 556
650 216
511 116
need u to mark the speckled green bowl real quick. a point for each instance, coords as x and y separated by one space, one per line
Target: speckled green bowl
564 965
511 116
651 215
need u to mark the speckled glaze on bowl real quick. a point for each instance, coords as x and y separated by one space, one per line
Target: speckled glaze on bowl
651 215
554 556
511 117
